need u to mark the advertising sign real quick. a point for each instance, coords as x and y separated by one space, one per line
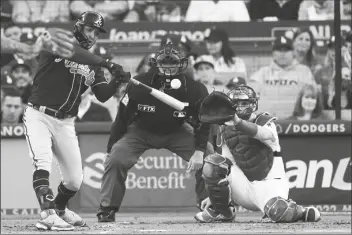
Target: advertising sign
145 31
17 194
159 179
318 168
317 158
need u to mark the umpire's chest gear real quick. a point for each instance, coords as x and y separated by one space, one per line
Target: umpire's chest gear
154 115
252 156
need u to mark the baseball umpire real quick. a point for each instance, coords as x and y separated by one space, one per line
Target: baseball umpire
143 123
49 122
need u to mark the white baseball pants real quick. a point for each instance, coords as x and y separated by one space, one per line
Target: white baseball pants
47 136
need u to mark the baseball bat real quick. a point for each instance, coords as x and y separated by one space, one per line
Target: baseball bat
165 98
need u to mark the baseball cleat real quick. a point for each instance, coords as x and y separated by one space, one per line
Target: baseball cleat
311 214
106 216
51 221
72 218
210 216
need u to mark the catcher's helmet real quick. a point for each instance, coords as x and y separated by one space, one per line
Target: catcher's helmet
245 100
88 18
169 61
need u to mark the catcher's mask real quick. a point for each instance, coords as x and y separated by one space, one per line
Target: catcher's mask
245 100
168 61
88 18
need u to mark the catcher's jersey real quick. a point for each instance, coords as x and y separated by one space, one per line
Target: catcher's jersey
277 171
272 143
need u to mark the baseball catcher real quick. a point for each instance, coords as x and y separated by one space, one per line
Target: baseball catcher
250 171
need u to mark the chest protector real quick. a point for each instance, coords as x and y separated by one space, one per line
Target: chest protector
253 157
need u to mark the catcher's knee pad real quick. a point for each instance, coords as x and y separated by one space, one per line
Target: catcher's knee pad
281 210
215 171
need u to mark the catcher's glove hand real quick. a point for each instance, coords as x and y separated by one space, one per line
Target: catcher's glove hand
216 108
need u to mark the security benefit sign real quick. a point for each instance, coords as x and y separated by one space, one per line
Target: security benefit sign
159 179
318 169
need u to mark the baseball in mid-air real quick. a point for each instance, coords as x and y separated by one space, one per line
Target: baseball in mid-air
175 83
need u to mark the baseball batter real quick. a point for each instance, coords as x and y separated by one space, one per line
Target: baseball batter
49 122
250 171
144 122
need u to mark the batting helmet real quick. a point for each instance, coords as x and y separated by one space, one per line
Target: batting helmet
88 18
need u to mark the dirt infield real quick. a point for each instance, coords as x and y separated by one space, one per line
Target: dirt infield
177 223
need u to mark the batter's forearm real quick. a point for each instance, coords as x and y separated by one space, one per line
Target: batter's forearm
9 45
83 56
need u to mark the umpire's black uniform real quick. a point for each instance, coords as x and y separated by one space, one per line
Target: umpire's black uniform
143 122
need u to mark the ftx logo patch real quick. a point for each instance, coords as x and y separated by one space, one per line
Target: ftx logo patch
146 108
180 114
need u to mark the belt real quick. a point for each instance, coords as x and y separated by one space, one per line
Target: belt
51 112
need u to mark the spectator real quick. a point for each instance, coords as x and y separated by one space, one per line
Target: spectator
217 11
14 32
205 72
144 64
304 48
169 11
22 75
43 11
347 48
315 10
346 90
6 11
17 58
225 59
109 9
89 111
2 96
12 108
325 74
273 10
346 9
142 11
279 83
234 82
309 104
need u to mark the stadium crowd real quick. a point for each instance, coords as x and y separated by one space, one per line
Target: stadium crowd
296 84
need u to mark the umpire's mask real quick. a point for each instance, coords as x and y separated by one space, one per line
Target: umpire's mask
168 61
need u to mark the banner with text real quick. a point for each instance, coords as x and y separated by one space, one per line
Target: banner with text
119 31
316 155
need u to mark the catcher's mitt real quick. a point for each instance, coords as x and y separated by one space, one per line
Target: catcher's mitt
216 108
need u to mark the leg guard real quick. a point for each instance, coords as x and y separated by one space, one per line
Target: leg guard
281 210
215 170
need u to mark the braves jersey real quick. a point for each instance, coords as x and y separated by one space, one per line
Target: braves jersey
151 114
59 84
